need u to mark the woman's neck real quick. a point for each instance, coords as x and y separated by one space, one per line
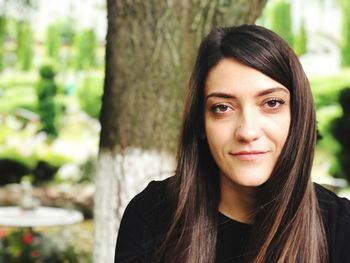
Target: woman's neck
236 202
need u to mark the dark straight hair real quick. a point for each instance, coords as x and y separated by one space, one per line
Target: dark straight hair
287 225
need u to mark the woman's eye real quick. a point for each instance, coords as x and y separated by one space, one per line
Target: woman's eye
220 108
274 103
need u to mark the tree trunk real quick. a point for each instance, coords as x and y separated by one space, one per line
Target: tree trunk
150 50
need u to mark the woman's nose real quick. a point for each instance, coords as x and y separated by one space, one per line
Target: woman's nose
247 127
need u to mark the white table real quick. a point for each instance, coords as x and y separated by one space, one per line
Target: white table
13 216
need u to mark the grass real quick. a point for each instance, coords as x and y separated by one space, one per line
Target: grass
18 78
17 97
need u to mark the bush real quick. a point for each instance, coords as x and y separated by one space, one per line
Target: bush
281 20
90 96
46 91
341 131
25 46
85 48
2 41
42 165
345 37
53 41
301 41
326 88
12 171
25 152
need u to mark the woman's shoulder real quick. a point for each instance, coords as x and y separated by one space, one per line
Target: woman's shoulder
143 223
335 211
150 199
332 205
150 203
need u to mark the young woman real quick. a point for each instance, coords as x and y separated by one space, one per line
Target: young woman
242 190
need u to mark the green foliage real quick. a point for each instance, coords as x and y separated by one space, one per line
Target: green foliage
2 41
341 131
326 88
26 153
14 165
18 92
53 41
25 46
47 72
345 37
328 146
301 41
326 91
18 78
61 32
85 47
325 116
281 20
90 96
46 91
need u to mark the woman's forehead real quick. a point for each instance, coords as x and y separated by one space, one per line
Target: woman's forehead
231 77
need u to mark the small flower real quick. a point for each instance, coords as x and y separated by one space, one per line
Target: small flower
27 238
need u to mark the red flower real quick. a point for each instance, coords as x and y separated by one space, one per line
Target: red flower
27 238
35 253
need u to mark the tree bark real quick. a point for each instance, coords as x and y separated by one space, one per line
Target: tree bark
150 50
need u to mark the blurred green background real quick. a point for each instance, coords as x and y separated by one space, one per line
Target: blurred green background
51 83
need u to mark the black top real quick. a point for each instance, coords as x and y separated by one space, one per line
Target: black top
145 220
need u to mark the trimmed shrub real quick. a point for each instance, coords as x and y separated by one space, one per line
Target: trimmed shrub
345 37
326 89
2 41
90 96
301 41
53 41
25 46
341 130
46 92
281 20
85 48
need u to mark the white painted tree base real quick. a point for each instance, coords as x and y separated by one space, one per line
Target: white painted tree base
119 178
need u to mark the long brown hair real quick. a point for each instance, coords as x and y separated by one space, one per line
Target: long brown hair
287 224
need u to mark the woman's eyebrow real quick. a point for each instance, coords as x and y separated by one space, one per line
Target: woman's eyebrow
259 94
220 95
272 90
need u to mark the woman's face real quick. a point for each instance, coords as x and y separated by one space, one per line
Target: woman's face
247 118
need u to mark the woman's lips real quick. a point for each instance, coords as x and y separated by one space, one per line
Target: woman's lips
248 155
